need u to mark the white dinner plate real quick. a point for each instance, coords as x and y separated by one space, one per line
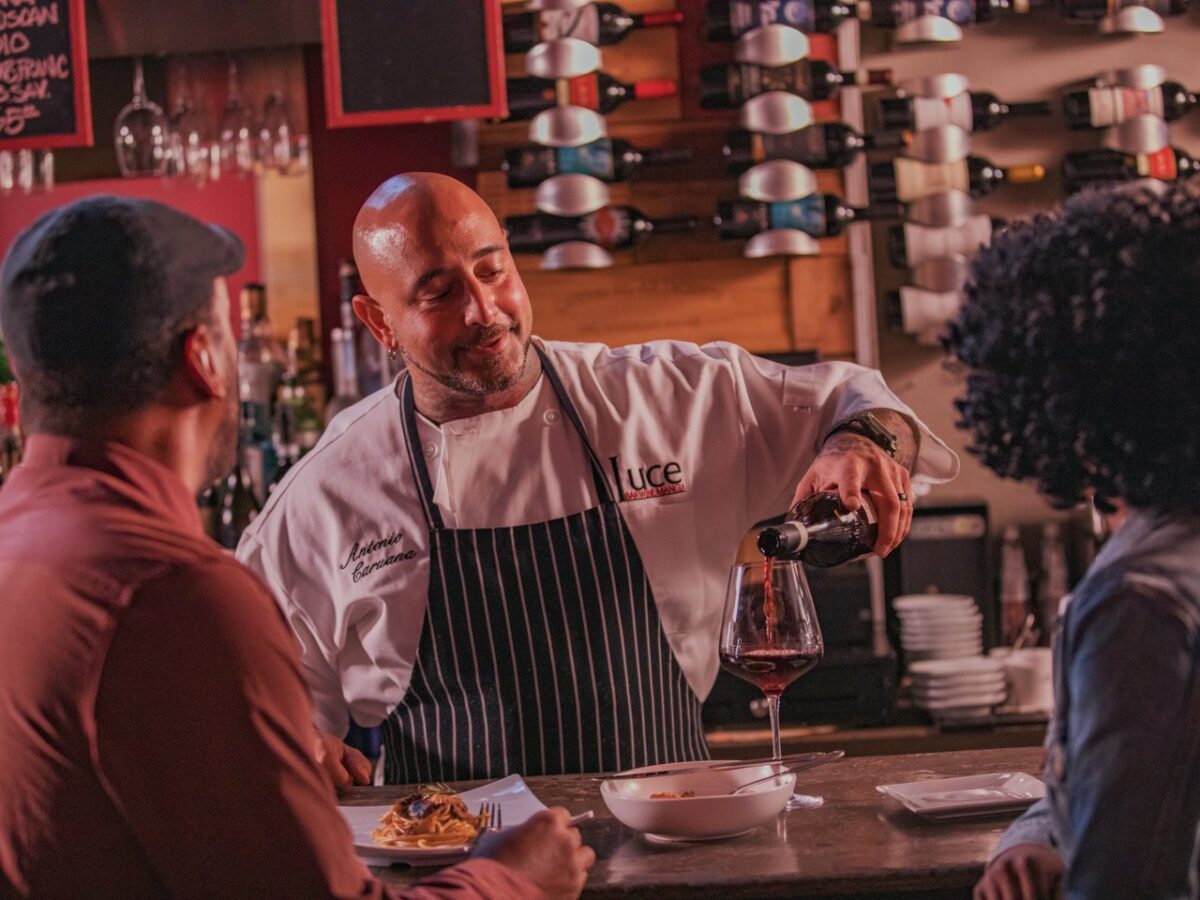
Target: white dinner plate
972 795
517 801
963 702
916 602
947 667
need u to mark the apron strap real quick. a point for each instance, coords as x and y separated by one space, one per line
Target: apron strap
416 456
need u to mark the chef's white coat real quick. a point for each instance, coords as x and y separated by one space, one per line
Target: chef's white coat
707 440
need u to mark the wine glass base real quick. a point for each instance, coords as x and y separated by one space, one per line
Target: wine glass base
804 801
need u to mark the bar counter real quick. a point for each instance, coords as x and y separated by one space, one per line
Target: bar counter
858 844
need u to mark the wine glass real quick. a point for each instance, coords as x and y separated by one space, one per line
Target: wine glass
275 134
189 143
140 132
236 141
769 632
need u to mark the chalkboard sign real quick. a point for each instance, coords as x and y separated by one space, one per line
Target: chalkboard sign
44 98
392 61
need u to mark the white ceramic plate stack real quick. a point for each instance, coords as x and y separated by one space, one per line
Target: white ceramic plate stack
939 626
958 688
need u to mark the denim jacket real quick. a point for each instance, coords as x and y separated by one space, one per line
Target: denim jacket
1122 765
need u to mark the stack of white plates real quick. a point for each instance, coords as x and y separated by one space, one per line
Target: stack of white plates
958 688
939 626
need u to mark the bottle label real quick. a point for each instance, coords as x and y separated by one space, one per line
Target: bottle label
584 90
746 15
595 159
582 23
916 179
750 80
805 146
609 227
1108 106
806 214
922 242
960 12
1160 164
930 112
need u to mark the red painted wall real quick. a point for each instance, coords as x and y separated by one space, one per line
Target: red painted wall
229 202
348 164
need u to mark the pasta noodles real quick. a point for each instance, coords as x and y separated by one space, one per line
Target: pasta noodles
427 819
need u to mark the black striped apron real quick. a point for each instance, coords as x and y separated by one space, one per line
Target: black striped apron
542 650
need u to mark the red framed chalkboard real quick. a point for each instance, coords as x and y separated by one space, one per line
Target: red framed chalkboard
394 61
44 95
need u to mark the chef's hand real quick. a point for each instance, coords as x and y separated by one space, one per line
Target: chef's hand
344 765
1023 872
547 850
853 465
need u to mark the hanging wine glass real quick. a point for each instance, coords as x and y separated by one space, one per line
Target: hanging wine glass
188 141
275 134
140 133
236 140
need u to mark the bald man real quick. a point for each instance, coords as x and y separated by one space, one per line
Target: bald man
514 557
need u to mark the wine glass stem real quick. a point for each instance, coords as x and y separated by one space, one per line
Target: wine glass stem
773 708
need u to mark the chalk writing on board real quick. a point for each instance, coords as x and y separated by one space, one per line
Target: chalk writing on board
37 93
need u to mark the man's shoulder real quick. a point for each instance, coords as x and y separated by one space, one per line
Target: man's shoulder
649 363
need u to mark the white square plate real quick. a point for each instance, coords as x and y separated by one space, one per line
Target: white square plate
971 795
518 802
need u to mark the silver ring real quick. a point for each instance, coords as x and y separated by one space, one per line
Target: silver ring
903 496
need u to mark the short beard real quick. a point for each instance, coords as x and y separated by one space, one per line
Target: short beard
223 448
473 384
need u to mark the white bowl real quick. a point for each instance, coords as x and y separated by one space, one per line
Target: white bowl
712 813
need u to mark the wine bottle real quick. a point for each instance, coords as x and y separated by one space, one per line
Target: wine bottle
821 531
598 91
729 19
918 311
894 13
609 159
1094 10
906 180
1086 167
826 145
1103 106
613 227
818 215
732 84
969 110
910 244
238 504
261 361
601 24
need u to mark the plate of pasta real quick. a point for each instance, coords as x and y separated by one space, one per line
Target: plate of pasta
434 825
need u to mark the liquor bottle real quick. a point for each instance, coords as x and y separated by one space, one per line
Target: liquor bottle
613 227
819 215
1094 10
597 91
345 373
1014 586
261 361
601 24
1053 581
1103 106
729 19
295 405
894 13
821 531
1085 167
239 505
826 145
302 351
609 159
731 84
906 180
969 110
910 244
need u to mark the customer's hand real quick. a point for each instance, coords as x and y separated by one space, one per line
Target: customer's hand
344 765
547 850
1023 872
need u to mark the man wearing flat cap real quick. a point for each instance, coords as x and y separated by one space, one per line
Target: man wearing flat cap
155 731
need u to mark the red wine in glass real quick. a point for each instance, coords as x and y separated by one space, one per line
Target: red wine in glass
769 669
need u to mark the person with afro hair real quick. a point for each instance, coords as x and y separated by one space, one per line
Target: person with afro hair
1080 341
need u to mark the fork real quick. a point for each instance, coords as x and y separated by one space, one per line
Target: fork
492 816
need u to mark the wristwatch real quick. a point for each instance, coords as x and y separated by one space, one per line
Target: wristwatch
866 425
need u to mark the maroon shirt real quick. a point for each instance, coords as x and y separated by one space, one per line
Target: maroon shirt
155 732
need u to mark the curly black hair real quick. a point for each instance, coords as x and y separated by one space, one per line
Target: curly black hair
1080 334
